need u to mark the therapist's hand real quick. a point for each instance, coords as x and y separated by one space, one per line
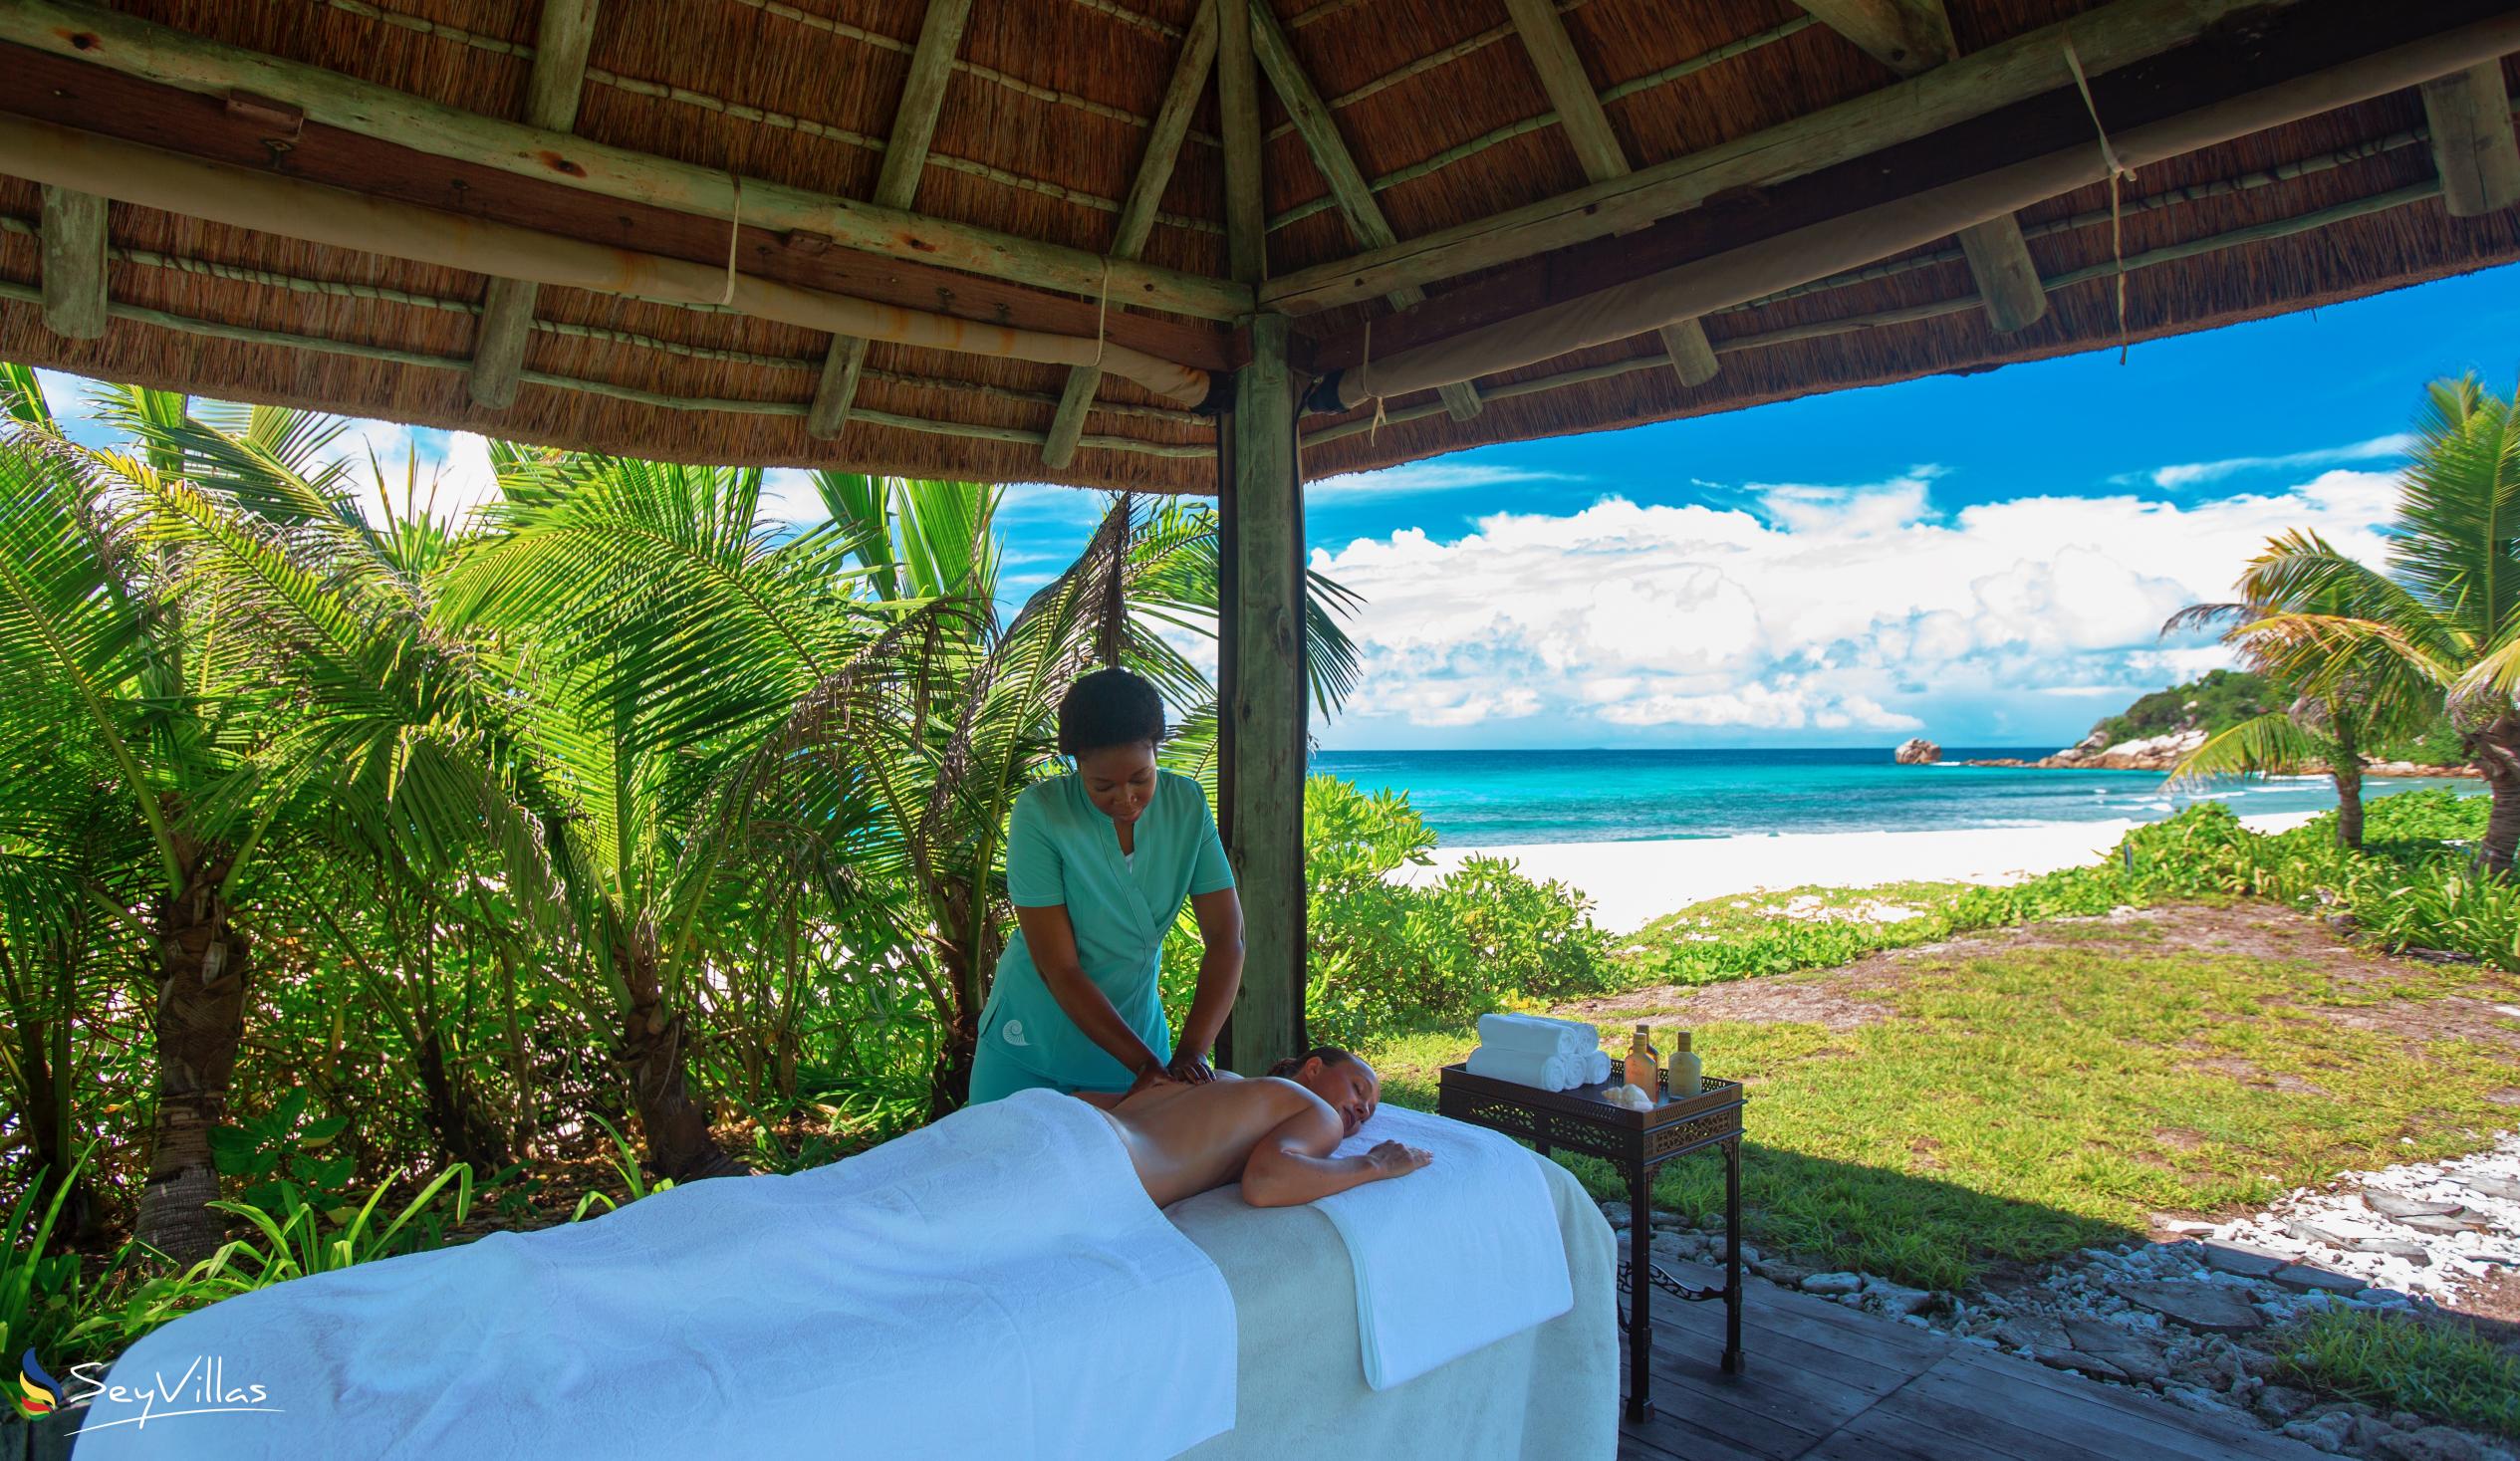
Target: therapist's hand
1152 1075
1189 1070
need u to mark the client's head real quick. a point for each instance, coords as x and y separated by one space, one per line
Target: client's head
1348 1085
1110 721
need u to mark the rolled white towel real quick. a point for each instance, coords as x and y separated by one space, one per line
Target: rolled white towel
1527 1067
1538 1033
1596 1069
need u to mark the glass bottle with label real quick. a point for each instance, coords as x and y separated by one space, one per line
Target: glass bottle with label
1643 1065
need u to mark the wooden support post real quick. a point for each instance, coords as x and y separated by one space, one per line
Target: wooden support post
1320 131
1587 128
1262 710
897 187
73 225
2469 114
1137 210
1911 37
561 34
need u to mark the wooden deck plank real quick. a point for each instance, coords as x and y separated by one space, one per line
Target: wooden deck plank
1827 1383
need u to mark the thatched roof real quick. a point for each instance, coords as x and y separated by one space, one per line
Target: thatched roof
1049 112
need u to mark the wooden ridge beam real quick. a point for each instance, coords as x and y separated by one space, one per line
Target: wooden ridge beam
2026 65
2469 115
1915 36
114 105
2312 38
896 187
1138 211
72 240
562 33
245 198
1320 132
122 42
1586 127
1914 218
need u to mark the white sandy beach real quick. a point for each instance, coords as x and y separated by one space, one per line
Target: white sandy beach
1632 883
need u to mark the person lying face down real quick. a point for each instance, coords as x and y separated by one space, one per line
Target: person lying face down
1273 1134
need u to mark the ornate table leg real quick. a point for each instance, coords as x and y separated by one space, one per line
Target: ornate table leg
1732 1256
1640 1290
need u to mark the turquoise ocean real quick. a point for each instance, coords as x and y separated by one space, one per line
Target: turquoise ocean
1493 798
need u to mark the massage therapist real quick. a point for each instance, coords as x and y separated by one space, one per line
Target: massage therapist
1098 862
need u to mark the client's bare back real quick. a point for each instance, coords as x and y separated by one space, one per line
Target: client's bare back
1272 1135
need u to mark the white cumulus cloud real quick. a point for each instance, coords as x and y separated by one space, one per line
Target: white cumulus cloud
1807 609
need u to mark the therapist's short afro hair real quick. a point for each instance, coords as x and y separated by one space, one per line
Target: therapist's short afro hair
1110 707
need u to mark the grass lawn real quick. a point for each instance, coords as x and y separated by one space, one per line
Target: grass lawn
1929 1114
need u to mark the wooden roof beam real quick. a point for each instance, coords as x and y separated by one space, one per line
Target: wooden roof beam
561 34
2028 64
2469 115
1338 166
1908 36
292 208
1911 37
1587 125
2341 57
897 187
176 58
73 228
1138 211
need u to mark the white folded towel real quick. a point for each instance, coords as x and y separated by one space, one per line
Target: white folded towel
994 1283
1538 1033
1452 1256
1548 1073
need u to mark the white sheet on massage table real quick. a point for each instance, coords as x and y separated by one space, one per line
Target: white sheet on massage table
1548 1394
995 1284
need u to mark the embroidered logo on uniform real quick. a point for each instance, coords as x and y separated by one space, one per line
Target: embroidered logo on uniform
1014 1032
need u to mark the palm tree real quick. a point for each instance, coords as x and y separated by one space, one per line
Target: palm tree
2448 612
2326 725
242 668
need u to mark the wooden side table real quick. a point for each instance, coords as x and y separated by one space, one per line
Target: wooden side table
1636 1142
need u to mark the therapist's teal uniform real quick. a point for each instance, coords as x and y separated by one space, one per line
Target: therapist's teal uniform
1061 850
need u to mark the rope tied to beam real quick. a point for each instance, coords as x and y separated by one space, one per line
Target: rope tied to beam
734 231
1364 382
1101 310
2119 173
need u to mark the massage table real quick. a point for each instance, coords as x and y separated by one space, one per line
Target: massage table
1548 1394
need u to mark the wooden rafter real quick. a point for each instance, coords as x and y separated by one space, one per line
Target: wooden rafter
2026 65
2329 54
561 34
70 92
273 203
175 57
2469 115
1911 37
1908 36
1586 127
1138 213
1238 110
1338 166
73 263
896 187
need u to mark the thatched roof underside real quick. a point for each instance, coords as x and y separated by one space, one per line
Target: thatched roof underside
1042 127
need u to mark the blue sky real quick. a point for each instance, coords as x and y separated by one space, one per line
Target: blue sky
1983 560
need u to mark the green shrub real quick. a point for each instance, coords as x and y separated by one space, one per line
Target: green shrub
1384 955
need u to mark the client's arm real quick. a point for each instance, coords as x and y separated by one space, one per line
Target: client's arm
1288 1168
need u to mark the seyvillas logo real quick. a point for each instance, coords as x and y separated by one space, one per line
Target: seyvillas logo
38 1393
202 1388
